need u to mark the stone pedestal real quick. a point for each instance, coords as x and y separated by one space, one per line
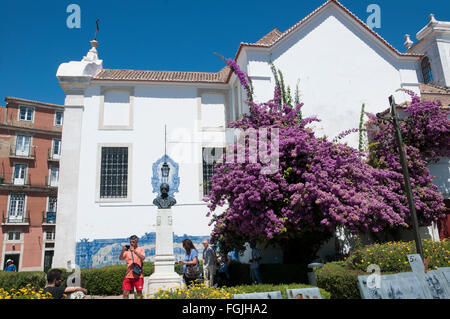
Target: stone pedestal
164 276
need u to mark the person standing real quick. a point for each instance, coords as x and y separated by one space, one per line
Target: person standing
190 260
209 264
134 277
10 266
254 264
223 274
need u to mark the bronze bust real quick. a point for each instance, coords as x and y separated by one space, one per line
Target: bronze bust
164 201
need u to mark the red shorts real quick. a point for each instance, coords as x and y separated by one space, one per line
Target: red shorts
129 283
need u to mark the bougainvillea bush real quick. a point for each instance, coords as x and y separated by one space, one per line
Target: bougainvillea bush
426 135
318 185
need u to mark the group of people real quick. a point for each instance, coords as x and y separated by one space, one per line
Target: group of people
215 270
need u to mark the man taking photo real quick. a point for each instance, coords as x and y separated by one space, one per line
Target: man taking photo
134 277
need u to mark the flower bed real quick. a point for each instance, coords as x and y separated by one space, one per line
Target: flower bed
29 292
200 291
391 256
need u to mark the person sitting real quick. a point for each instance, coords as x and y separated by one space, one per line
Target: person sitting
54 280
10 266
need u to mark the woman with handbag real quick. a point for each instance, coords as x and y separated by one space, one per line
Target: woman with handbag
134 277
191 269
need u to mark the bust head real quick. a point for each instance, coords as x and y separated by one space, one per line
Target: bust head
164 189
164 201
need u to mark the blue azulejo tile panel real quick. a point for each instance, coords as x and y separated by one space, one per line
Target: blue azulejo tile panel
105 252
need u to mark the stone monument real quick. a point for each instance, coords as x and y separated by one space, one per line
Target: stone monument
164 276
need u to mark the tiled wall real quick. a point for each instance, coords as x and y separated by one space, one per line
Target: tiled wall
105 252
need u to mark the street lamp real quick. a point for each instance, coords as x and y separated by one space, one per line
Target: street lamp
412 208
165 169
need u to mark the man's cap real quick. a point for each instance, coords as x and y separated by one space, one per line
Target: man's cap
9 260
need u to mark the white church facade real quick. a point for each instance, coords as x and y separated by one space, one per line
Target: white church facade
114 140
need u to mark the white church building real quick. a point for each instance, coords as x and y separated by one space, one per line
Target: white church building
113 141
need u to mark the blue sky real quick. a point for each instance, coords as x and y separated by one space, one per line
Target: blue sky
161 34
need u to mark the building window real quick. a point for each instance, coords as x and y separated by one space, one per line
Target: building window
52 201
56 149
20 171
59 116
26 114
23 145
426 71
14 235
16 211
54 176
211 156
114 172
49 235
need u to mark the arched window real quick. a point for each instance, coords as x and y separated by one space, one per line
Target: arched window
426 71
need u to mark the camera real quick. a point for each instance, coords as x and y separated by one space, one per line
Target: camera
127 246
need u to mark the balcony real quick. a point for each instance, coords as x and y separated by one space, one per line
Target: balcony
48 218
54 158
28 183
22 153
16 220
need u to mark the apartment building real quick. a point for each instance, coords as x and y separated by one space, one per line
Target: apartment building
30 147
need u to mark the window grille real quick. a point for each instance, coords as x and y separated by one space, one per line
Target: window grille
114 172
211 156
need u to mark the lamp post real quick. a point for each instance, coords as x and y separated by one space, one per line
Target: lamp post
412 208
165 169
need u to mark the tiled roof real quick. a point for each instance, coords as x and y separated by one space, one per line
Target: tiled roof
224 75
270 37
24 101
433 89
276 38
163 76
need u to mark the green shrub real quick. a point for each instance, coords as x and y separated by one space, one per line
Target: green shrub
392 256
340 281
270 273
98 281
16 280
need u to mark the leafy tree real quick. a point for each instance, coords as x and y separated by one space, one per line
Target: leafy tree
318 185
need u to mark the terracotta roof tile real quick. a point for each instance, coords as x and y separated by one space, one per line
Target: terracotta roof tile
10 99
434 89
270 37
163 76
224 75
265 43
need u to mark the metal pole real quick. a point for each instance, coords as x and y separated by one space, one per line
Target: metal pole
408 189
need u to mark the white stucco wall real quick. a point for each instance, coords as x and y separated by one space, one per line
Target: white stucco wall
154 107
338 66
336 62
